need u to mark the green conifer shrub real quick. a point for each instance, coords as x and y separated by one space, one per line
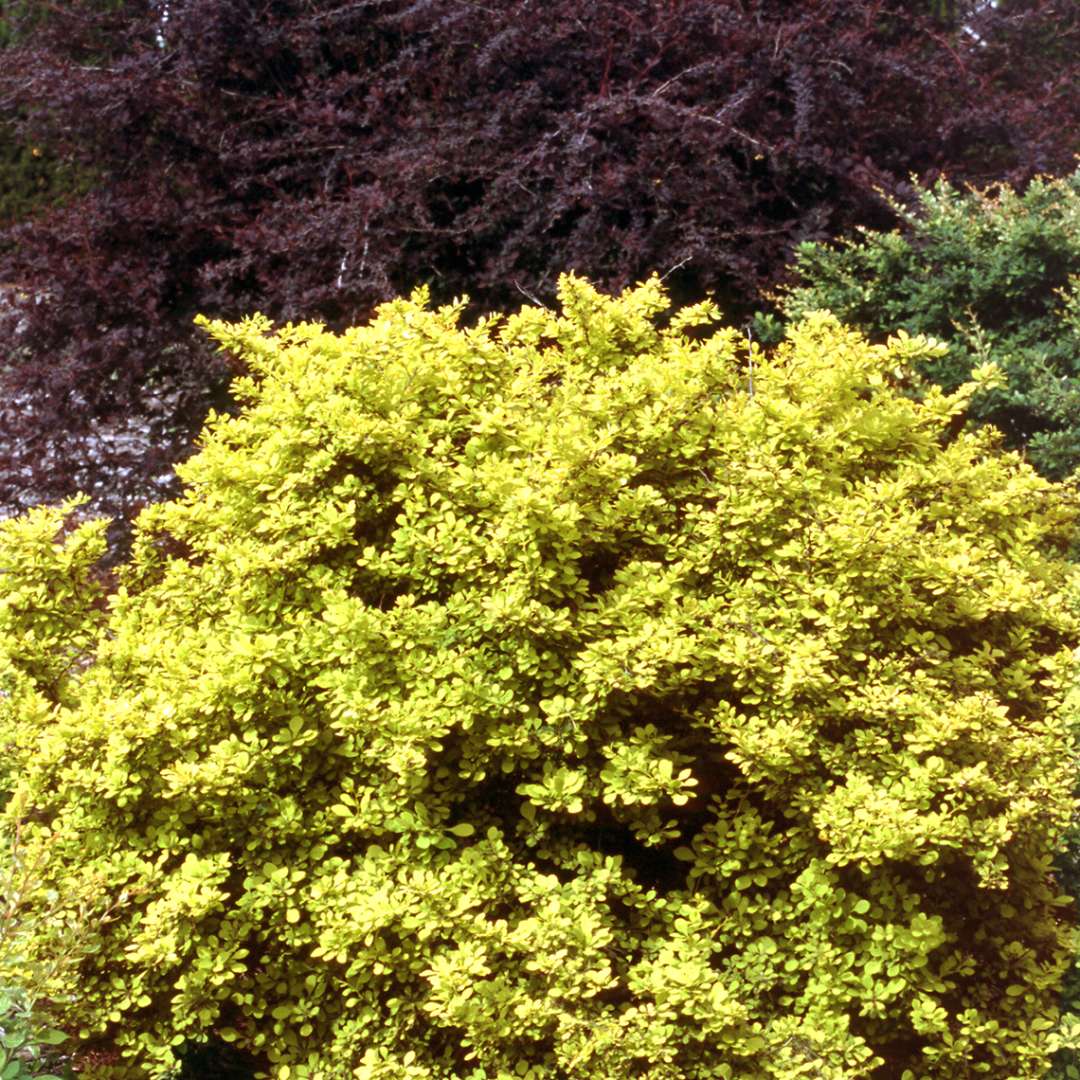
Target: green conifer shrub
573 695
995 274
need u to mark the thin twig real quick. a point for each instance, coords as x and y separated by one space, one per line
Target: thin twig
677 266
529 296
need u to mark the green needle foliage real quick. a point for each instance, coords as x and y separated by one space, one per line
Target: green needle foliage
996 275
574 695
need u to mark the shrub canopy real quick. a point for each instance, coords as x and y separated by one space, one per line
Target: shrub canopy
572 694
998 274
311 159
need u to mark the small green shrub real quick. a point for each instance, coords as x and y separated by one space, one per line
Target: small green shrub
24 1042
995 275
27 1040
567 696
30 976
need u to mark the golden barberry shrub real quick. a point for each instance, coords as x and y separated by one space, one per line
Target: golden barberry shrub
576 695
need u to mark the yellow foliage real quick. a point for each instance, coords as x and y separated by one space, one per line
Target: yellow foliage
575 694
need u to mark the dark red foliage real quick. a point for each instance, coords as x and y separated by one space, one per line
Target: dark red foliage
308 158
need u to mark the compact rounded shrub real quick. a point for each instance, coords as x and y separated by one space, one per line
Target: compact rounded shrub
572 695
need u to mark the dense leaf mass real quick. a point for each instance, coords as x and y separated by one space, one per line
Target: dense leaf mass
31 179
309 159
577 695
998 276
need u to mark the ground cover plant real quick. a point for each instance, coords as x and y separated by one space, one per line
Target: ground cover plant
572 694
310 159
997 275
